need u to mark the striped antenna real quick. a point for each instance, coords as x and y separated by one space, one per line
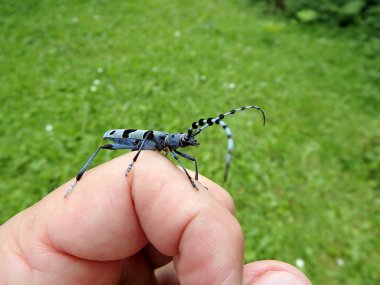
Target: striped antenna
230 147
210 121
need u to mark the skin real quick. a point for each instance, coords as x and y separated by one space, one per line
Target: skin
149 228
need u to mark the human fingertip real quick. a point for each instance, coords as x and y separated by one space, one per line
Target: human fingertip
277 277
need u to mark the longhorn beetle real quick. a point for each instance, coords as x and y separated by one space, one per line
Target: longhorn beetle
139 140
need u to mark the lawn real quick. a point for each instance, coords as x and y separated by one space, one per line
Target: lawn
306 186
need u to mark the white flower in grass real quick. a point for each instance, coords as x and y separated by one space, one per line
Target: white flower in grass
177 34
300 263
230 85
340 261
100 69
49 128
96 82
93 88
203 77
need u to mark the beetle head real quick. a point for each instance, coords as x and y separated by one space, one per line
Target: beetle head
187 140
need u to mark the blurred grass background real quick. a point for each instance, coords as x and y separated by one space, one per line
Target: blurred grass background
306 186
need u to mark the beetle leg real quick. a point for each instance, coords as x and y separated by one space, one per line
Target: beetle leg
149 136
184 169
189 157
84 168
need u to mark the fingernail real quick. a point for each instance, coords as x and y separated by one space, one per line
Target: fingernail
277 278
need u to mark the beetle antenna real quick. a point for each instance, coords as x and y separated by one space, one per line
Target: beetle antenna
210 121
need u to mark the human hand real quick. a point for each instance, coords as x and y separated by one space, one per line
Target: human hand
151 228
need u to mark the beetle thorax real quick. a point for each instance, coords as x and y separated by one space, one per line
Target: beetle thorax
178 140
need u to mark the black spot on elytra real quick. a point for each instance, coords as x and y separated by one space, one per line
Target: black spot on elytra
127 132
147 134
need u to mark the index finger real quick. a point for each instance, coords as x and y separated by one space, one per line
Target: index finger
109 217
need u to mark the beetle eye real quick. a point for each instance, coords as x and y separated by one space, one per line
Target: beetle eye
111 133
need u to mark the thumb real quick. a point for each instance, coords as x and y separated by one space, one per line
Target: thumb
273 272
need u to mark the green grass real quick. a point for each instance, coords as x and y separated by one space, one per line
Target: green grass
305 186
